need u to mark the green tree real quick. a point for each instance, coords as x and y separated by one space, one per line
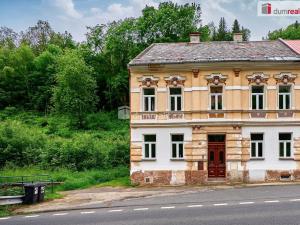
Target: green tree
236 27
74 93
291 32
38 36
43 77
8 37
16 67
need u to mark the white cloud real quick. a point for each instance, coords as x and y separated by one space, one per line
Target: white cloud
68 7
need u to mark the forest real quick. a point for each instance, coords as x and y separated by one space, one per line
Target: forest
58 97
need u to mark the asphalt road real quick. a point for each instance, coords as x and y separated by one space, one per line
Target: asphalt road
278 205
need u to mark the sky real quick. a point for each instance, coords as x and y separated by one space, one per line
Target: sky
75 15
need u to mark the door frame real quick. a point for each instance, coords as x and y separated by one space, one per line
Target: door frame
223 143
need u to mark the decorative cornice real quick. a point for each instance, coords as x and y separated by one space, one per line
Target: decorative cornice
175 80
258 78
148 81
285 78
216 78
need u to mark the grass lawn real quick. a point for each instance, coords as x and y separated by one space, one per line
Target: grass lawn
72 180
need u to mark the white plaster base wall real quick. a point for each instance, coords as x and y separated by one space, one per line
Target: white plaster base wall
257 168
163 148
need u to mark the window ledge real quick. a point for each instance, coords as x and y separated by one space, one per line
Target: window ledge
257 158
181 159
148 159
286 158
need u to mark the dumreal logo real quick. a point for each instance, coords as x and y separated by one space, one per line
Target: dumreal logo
266 8
278 8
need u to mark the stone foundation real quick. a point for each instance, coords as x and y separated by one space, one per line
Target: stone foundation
282 175
198 177
188 177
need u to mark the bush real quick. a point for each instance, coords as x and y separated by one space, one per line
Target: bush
78 153
52 142
20 145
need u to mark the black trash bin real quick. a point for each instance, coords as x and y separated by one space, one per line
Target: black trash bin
31 193
41 193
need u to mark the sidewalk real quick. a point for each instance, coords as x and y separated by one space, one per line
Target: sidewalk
104 197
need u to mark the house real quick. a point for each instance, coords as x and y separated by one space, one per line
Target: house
205 111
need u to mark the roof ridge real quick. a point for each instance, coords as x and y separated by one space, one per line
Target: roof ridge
207 42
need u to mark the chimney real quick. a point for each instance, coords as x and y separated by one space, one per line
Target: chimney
237 37
195 37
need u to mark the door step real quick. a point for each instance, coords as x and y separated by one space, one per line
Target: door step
215 181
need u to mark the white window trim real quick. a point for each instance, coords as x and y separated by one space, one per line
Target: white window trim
256 147
169 99
143 99
177 148
223 96
264 97
291 96
150 148
284 146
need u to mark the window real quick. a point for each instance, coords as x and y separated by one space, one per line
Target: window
285 143
257 145
284 97
149 99
216 98
257 97
175 99
150 146
177 146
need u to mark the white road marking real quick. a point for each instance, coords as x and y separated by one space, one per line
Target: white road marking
220 204
87 212
5 218
32 216
60 214
295 200
246 203
141 209
167 207
271 201
194 206
116 210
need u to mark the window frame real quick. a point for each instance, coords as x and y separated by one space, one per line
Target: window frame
176 99
256 146
149 99
285 145
216 97
177 147
284 99
257 97
150 148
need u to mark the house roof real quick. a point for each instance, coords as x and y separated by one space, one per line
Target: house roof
222 51
293 44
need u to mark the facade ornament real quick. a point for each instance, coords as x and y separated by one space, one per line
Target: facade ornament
174 80
216 78
236 72
258 78
195 73
285 78
148 81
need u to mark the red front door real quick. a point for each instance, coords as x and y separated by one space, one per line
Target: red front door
216 159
